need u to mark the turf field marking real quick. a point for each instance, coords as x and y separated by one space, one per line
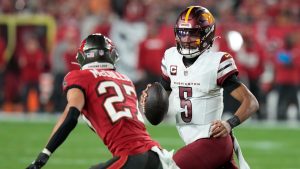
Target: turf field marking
261 145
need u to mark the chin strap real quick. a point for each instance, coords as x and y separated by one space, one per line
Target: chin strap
215 38
75 63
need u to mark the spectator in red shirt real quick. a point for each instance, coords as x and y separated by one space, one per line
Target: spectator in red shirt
2 68
63 59
151 51
105 26
286 62
251 58
31 62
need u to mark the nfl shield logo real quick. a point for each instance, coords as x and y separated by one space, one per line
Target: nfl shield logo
101 52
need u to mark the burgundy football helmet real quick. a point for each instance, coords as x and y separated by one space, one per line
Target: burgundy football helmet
194 31
97 48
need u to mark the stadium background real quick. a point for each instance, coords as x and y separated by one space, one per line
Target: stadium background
38 42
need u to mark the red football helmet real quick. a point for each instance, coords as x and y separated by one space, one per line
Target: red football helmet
194 31
97 48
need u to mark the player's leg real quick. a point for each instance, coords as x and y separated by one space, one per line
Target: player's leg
114 161
147 160
282 104
206 154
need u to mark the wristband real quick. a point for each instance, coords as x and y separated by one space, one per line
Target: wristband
46 151
234 121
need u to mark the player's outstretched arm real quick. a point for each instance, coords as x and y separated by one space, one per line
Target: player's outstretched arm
249 105
65 124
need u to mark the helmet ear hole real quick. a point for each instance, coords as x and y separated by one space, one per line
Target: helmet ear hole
114 55
80 57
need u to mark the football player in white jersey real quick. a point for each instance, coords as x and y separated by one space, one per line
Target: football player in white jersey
195 78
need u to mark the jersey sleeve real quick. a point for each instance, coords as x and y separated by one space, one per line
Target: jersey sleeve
165 79
74 80
226 68
164 70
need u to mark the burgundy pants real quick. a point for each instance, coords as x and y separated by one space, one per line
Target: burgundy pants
209 153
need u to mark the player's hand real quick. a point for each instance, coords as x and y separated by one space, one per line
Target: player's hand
40 161
144 96
220 128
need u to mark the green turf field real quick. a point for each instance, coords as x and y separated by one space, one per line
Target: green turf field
276 147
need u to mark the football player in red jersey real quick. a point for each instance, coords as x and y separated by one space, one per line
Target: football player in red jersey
195 78
107 101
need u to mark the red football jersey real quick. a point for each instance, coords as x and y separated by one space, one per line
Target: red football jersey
111 109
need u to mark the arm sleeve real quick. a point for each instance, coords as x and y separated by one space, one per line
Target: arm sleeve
230 83
165 79
64 130
166 84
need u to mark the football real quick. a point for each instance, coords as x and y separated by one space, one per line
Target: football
156 103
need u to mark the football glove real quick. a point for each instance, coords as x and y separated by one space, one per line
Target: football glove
40 161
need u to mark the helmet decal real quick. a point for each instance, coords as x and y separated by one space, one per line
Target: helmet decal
101 52
90 55
208 16
188 13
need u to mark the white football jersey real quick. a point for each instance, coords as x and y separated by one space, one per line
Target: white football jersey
197 96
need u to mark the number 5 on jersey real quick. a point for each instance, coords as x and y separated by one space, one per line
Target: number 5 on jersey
185 103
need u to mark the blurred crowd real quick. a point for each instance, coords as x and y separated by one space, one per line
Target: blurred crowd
262 35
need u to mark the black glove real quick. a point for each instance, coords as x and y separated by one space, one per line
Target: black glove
40 161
